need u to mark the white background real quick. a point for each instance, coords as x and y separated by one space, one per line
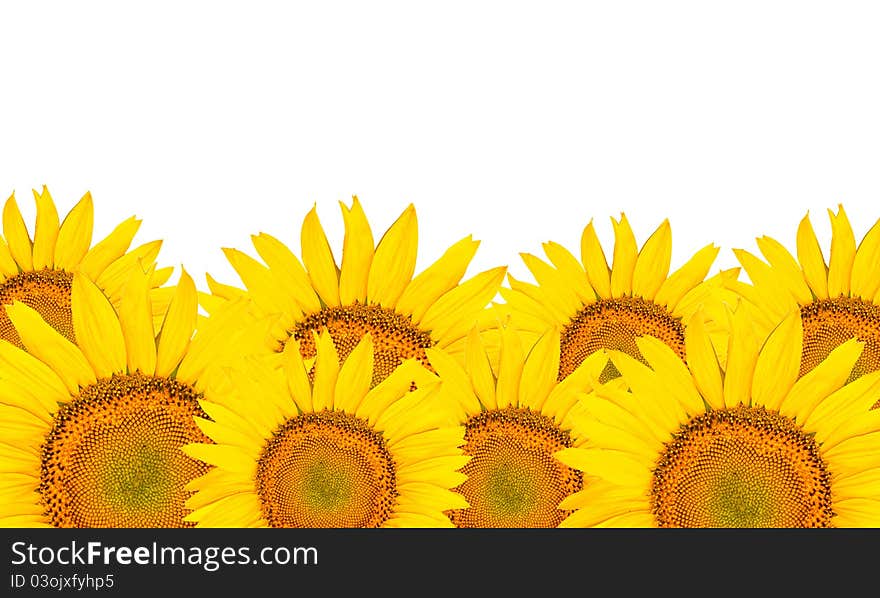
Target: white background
514 121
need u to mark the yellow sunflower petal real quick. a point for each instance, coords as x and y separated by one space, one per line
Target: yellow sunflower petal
46 230
47 345
136 318
652 264
460 307
298 383
357 254
779 362
821 381
109 249
75 234
318 259
455 381
8 267
394 261
686 278
17 235
811 259
437 279
540 370
19 370
625 255
786 268
703 362
741 357
595 263
675 375
326 373
843 252
509 369
618 467
571 270
178 327
97 328
288 271
355 376
865 282
480 370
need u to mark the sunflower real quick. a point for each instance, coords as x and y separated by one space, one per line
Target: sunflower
838 300
756 445
372 292
515 419
39 272
90 433
598 307
294 450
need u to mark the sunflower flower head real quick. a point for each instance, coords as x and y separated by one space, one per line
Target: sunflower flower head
753 445
298 446
39 271
838 298
601 307
372 291
92 430
516 416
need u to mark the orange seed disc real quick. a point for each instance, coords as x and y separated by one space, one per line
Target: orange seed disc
394 336
326 469
113 458
741 467
828 323
48 292
513 478
615 324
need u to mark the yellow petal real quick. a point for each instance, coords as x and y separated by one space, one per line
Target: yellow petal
437 279
843 252
357 254
509 369
8 267
480 370
556 289
675 376
394 261
785 268
318 259
29 381
811 259
97 328
46 230
617 467
779 362
815 386
136 318
462 306
47 345
109 249
625 255
75 235
540 371
686 278
741 357
355 376
287 271
261 285
865 272
595 263
703 362
298 383
178 327
571 270
326 373
17 235
652 265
